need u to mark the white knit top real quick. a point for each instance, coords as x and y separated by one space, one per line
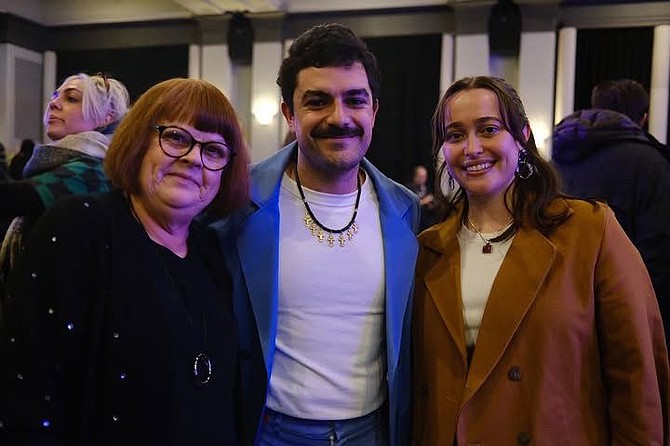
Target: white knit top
478 271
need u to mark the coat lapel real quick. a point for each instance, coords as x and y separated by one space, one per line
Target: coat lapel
521 274
400 250
443 282
258 247
259 260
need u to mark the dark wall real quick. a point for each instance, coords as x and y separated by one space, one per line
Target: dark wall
137 68
21 32
142 54
410 88
612 53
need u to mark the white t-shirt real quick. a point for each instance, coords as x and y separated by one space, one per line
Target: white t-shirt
329 362
478 271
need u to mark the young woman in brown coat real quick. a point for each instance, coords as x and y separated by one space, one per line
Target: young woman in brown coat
534 320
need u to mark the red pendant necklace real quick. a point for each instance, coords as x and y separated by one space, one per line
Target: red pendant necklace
488 246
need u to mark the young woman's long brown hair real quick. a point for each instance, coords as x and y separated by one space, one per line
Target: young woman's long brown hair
529 199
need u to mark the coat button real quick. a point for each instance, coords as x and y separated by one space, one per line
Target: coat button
514 374
523 438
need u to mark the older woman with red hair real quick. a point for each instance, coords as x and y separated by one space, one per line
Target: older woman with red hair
120 323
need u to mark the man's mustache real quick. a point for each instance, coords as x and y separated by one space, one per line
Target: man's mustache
337 132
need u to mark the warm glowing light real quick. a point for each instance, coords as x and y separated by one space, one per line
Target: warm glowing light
265 110
542 134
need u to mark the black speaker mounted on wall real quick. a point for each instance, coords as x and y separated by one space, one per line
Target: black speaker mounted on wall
240 39
505 29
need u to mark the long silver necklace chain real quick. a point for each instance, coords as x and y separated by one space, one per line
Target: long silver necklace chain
202 365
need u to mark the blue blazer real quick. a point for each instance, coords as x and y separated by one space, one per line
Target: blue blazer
252 239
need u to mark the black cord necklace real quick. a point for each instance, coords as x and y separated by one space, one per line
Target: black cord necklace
202 365
488 247
317 228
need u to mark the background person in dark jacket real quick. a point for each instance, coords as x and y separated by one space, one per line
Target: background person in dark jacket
604 155
628 97
20 159
3 164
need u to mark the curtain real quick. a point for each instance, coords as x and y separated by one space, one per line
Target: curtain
410 89
612 53
138 68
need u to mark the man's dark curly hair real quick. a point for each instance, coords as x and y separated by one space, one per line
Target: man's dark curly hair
331 45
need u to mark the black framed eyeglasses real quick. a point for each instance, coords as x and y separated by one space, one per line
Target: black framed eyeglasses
177 142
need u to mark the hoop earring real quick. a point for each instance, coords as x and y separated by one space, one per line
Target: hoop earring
524 169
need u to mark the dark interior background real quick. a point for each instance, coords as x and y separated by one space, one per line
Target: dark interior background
137 68
410 67
613 53
410 88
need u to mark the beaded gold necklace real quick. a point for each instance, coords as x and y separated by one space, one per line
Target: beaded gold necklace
319 230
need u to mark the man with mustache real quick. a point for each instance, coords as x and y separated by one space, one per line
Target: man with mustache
327 250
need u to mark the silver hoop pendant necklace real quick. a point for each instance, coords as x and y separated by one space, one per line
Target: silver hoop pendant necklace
202 369
202 365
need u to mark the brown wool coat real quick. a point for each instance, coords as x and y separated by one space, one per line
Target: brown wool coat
570 351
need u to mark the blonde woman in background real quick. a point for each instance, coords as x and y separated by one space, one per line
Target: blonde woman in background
79 119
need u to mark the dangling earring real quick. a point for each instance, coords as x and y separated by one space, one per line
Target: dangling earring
451 182
524 169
